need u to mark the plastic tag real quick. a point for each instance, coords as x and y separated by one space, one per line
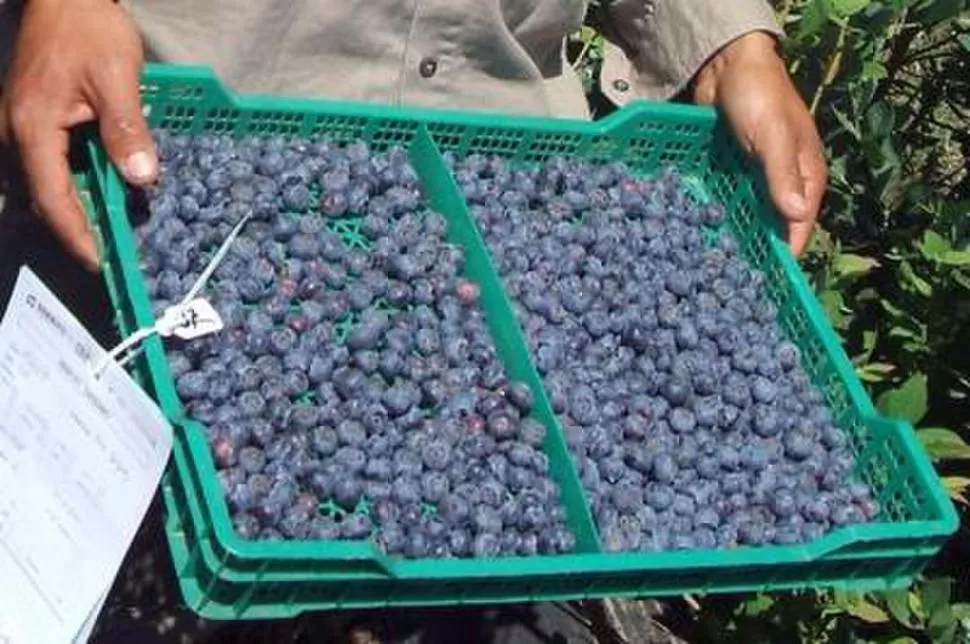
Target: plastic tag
80 459
190 320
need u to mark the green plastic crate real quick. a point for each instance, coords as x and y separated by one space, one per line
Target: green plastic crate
222 576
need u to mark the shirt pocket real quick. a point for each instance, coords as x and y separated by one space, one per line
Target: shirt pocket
541 27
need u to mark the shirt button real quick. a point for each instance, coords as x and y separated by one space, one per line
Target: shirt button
427 67
621 85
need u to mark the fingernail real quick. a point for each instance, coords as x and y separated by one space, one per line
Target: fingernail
138 167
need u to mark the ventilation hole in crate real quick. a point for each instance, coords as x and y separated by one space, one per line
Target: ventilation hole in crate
496 140
220 120
918 504
446 136
341 129
837 396
812 357
287 123
545 146
183 92
859 435
640 154
601 148
652 127
178 118
392 133
685 128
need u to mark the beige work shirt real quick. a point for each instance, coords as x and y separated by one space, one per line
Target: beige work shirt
504 55
500 55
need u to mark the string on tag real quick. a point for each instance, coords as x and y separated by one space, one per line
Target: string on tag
191 317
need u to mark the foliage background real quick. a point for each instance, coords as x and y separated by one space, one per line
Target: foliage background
888 83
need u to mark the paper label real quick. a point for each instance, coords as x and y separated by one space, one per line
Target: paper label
80 459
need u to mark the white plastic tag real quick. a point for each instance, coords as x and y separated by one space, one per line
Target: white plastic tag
190 320
80 459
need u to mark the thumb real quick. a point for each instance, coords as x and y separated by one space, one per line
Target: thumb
786 184
123 128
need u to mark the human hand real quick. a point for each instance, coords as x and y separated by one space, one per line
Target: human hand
747 79
74 61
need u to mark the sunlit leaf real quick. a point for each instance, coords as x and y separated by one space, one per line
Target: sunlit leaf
934 245
944 444
936 594
815 15
846 8
850 265
961 610
961 279
955 258
875 371
839 170
919 284
908 401
897 602
758 605
867 612
955 486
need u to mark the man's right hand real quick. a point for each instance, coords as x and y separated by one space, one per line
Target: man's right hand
74 61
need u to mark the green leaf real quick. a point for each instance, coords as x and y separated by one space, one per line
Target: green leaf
874 70
921 286
879 119
875 371
942 624
955 258
815 15
916 605
832 303
934 245
895 311
897 601
844 598
955 485
758 605
937 11
961 279
944 444
851 128
961 610
936 594
846 8
867 612
964 40
908 401
849 265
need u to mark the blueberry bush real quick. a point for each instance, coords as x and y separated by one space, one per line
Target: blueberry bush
889 85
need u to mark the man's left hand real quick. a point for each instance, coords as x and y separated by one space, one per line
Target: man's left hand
747 79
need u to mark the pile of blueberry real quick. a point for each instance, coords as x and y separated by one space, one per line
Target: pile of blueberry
689 417
355 391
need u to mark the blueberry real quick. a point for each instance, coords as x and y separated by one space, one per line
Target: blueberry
351 433
434 486
347 492
400 398
192 385
682 420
